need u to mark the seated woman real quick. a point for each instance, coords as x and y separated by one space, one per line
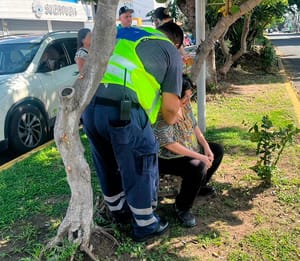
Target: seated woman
185 152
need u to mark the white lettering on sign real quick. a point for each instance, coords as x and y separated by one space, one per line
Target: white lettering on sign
60 10
52 9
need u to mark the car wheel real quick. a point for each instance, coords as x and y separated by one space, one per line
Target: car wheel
27 129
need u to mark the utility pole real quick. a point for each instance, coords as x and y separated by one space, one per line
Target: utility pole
201 80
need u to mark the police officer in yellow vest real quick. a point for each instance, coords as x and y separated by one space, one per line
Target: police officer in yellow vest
144 75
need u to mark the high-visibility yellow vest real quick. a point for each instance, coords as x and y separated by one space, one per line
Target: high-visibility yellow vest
125 59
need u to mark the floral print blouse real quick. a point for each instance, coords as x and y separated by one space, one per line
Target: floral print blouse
81 53
181 132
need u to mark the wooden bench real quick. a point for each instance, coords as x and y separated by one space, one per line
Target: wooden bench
169 185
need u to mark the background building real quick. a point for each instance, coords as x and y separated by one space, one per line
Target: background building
35 16
41 16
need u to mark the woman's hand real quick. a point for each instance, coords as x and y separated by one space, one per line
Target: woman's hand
206 160
209 154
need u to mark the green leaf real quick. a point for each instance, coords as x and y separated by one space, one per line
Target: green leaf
254 137
234 9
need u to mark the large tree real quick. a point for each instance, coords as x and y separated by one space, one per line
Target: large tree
245 30
78 222
221 17
215 34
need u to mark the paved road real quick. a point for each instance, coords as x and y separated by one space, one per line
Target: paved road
288 46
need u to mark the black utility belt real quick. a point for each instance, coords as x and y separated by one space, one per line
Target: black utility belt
113 103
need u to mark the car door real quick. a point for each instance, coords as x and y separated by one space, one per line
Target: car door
55 71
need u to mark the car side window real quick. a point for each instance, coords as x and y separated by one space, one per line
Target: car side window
53 58
71 47
2 61
15 61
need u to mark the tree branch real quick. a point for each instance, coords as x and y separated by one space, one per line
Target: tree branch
216 33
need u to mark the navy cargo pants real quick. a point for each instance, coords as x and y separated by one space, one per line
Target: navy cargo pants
125 158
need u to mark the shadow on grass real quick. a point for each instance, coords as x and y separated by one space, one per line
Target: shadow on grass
213 210
53 195
225 136
241 77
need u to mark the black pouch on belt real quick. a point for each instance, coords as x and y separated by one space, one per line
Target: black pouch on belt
125 109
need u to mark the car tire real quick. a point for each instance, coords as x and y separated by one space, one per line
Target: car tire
27 129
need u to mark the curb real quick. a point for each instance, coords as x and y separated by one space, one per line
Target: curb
24 156
292 91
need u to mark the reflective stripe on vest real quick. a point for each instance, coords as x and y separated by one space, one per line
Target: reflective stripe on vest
137 78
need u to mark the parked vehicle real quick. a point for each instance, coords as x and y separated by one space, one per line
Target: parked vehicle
285 30
33 68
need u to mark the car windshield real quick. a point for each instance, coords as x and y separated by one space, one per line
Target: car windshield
15 58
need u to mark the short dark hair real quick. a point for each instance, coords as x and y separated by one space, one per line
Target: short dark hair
187 84
81 35
173 32
160 13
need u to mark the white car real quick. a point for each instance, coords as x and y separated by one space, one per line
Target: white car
32 71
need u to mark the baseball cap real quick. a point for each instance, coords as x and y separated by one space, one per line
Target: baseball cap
125 9
160 13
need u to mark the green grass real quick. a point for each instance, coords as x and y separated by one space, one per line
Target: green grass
34 195
272 245
27 187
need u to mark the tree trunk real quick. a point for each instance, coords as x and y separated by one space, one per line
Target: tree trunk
231 59
78 221
215 34
211 72
225 49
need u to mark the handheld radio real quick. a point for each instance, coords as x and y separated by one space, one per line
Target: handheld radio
125 106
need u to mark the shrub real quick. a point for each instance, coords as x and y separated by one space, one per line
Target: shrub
270 145
268 55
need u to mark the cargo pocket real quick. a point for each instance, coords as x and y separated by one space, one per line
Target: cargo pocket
146 159
120 132
145 163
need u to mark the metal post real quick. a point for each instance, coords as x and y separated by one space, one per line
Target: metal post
201 80
49 23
